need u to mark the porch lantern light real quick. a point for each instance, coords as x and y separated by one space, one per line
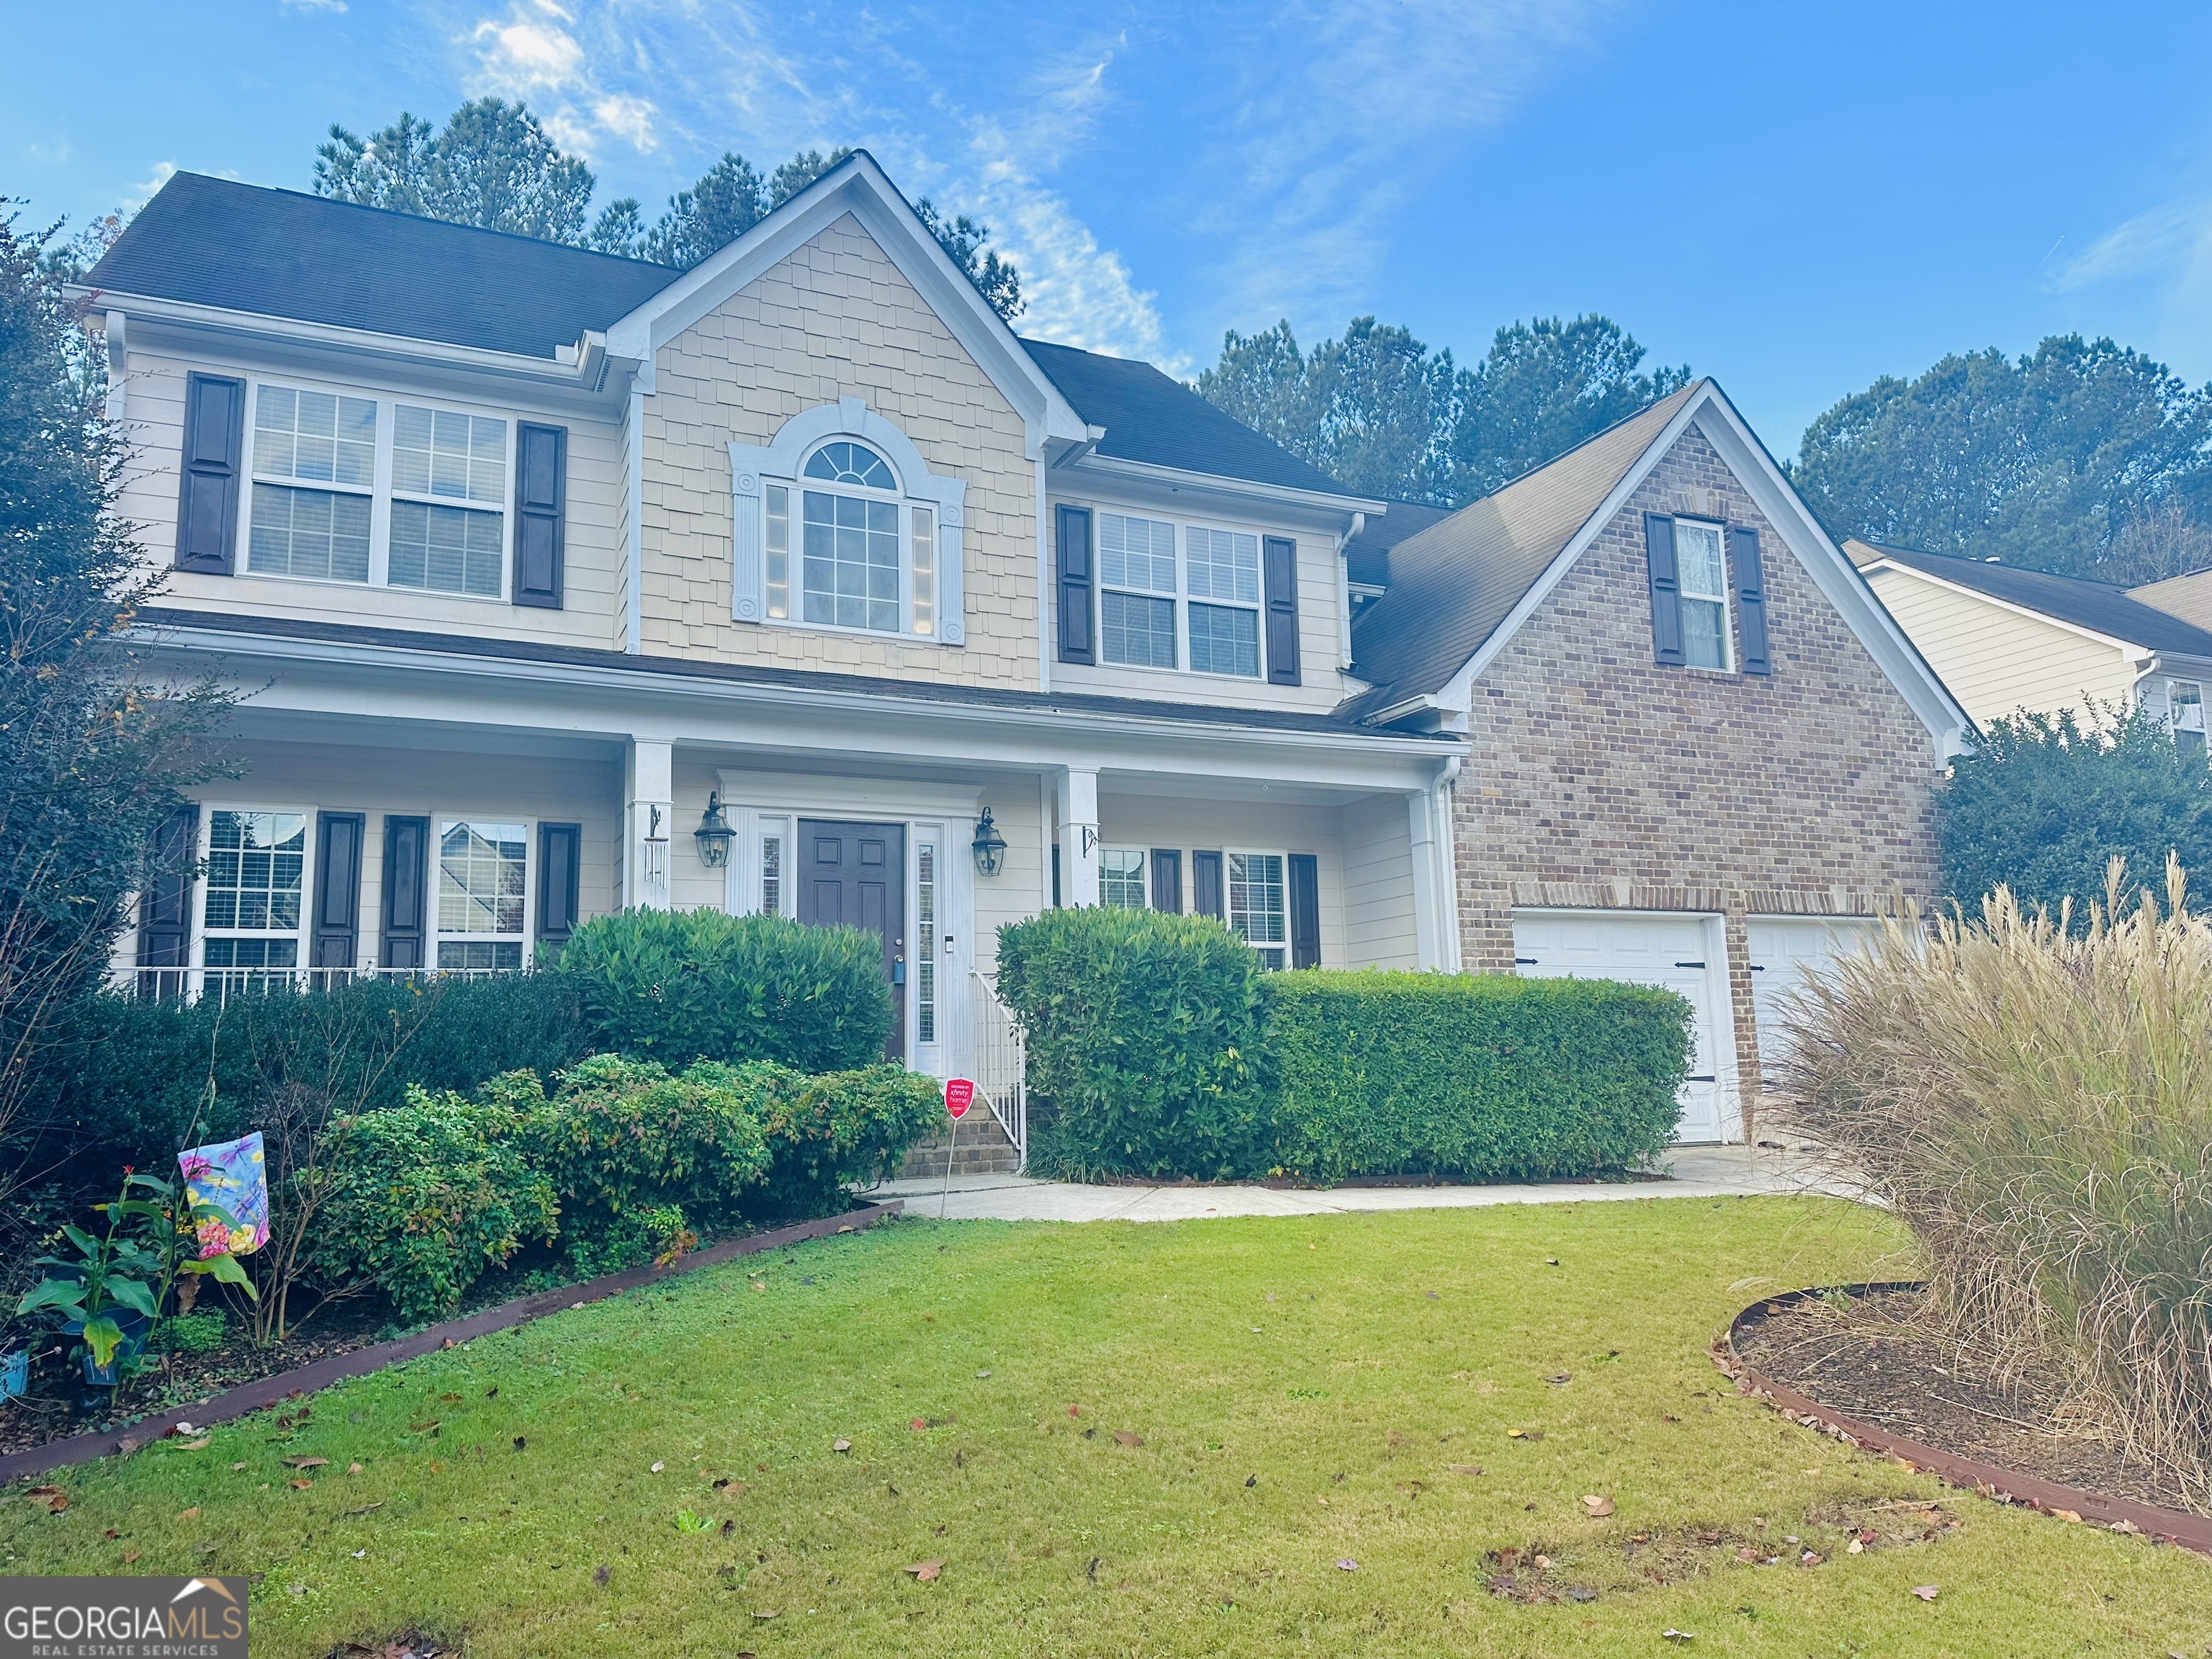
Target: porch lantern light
989 846
714 834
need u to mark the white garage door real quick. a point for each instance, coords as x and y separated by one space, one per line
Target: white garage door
1679 953
1785 951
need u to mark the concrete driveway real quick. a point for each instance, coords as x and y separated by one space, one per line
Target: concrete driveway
1691 1172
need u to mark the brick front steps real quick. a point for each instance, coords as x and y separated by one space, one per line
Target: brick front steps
982 1149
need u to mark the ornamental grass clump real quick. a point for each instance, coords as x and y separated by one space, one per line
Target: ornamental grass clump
2034 1098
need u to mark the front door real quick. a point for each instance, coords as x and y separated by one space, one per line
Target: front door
854 874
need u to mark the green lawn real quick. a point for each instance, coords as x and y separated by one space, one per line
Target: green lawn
1302 1387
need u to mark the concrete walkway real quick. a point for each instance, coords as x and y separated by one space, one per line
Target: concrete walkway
1692 1172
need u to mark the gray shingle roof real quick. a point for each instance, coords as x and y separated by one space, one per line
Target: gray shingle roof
2097 605
1453 583
278 253
1153 418
1367 555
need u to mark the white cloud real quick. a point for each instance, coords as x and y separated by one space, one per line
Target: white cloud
136 196
313 5
2157 241
534 55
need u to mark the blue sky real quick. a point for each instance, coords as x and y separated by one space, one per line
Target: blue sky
1796 196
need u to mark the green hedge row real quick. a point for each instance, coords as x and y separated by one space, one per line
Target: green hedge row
1157 1047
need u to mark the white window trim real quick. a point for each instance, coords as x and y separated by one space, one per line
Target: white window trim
1143 873
782 461
434 935
1178 536
205 847
379 492
1183 597
1727 597
1229 911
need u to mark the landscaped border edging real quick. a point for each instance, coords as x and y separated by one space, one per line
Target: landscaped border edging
2000 1485
270 1392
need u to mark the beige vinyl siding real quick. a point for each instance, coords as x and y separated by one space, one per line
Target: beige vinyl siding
1322 687
2189 597
1998 660
835 320
1023 886
154 416
1378 885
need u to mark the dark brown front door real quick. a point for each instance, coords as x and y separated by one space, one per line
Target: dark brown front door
856 874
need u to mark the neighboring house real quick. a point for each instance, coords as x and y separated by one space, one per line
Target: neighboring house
538 568
2007 639
1701 753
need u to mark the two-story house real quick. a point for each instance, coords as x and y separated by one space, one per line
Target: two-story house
796 582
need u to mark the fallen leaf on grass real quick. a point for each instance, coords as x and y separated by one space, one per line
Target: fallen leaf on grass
200 1445
1348 1564
841 1445
657 1466
2068 1515
917 1425
1561 1380
302 1485
303 1462
1551 1262
57 1500
925 1571
187 1515
1128 1438
1855 1547
431 1427
1595 1507
1926 1592
772 1613
129 1556
601 1574
1464 1468
1075 1411
355 1514
1677 1636
450 1399
351 1469
1524 1434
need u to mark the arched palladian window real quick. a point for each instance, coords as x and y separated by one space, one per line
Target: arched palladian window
839 524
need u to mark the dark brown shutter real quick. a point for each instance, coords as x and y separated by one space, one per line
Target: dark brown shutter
1167 880
338 889
1075 565
406 892
1750 598
1305 910
1206 885
165 905
560 861
207 500
1666 591
1279 564
541 513
1055 875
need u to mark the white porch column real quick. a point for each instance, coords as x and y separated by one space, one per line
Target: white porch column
648 819
1078 835
1429 906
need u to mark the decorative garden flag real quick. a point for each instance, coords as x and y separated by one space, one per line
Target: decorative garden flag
230 1180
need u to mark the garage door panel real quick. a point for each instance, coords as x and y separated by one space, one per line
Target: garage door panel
1673 953
1786 954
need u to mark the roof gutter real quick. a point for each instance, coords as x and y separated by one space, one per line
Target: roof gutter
1151 473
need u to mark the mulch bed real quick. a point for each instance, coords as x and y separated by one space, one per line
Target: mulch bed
1880 1358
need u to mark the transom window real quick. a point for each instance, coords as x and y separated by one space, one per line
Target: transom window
1258 909
327 466
1702 571
256 877
482 882
851 464
1122 877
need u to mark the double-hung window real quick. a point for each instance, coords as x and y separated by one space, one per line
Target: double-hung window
1258 904
1223 583
1121 878
1702 570
2185 707
373 490
483 892
314 476
257 867
448 496
1137 591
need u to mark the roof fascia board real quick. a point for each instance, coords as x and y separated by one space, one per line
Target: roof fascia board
1182 480
859 186
561 681
2033 613
583 374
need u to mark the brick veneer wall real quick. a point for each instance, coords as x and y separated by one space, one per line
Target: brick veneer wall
1601 779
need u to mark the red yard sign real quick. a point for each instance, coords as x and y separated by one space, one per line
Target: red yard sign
959 1096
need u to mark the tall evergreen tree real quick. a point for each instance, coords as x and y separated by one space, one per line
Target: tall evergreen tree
1544 386
492 166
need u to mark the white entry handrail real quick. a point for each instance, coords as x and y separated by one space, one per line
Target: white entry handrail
997 1063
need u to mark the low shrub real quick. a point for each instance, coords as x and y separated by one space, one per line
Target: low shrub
620 1139
1143 1032
1474 1077
126 1081
2035 1103
678 986
842 1129
423 1199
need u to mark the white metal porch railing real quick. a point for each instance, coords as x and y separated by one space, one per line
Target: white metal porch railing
170 984
993 1044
